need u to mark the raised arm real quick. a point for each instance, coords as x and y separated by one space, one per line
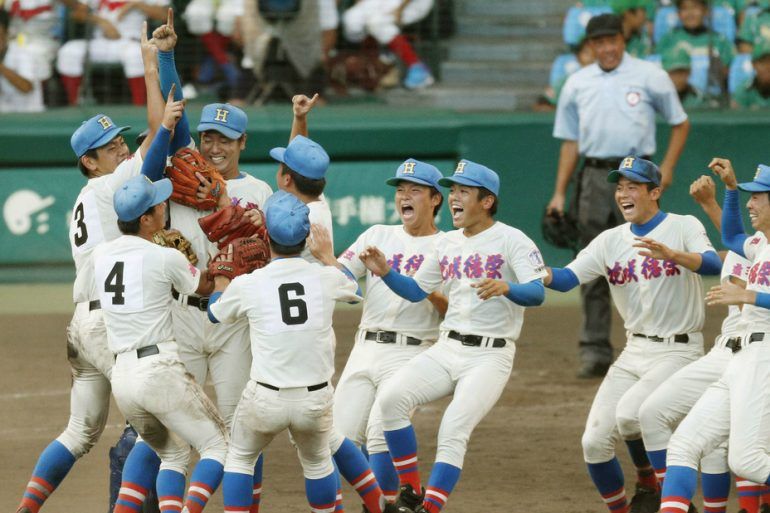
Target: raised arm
703 191
154 162
733 234
156 103
301 106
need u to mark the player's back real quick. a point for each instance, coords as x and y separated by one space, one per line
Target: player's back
289 304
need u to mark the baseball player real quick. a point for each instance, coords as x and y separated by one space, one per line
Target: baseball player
103 158
392 330
115 40
151 385
671 401
490 271
732 409
289 306
652 264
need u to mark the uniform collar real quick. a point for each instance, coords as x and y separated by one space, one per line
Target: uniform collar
624 62
640 230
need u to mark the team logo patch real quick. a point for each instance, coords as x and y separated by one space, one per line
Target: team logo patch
628 163
536 259
222 115
193 269
105 122
633 98
756 175
460 168
408 168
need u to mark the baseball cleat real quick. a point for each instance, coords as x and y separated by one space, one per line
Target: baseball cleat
418 77
645 500
407 498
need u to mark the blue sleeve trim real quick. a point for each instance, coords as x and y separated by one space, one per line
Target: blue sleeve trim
404 286
763 300
155 161
526 294
350 276
711 264
213 299
733 234
168 76
563 279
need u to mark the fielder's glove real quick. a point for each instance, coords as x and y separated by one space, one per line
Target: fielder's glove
174 239
230 223
247 255
560 230
184 164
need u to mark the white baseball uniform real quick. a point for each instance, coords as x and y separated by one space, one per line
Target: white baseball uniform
475 373
150 383
200 16
289 305
655 299
221 349
735 408
376 18
93 222
126 50
671 401
398 331
319 214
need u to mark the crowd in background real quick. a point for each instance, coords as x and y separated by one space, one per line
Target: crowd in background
716 52
69 52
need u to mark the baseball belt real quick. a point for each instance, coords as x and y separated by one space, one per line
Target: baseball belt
607 163
201 303
477 340
311 388
147 351
94 305
756 337
681 338
734 344
390 337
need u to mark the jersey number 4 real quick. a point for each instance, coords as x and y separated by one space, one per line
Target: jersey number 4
114 284
293 311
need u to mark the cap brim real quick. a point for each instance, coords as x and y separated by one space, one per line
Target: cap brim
278 153
754 187
227 132
162 191
614 177
447 181
603 32
394 181
107 137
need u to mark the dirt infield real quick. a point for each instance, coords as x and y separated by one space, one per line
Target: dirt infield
524 457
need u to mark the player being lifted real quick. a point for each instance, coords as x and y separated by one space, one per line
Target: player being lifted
652 264
490 272
392 330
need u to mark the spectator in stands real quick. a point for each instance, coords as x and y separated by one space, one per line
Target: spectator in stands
634 16
550 97
755 29
697 39
755 92
330 21
383 19
20 89
677 63
117 27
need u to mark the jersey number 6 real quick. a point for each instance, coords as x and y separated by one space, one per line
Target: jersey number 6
293 311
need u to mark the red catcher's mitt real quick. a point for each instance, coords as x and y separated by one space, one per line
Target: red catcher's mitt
230 223
184 164
248 255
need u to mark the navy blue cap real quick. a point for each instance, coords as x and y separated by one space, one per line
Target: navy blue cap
94 133
304 156
287 218
475 175
138 194
417 172
761 182
224 118
637 170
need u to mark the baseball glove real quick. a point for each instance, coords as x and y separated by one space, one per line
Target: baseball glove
248 255
174 239
560 230
230 223
184 164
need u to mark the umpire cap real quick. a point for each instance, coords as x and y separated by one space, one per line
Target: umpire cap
604 25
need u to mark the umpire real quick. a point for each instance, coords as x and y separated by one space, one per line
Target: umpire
605 112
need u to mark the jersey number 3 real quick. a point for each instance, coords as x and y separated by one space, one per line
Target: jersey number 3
114 284
293 311
81 235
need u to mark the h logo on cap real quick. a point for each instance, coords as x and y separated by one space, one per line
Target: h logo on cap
221 115
756 175
409 168
628 163
460 168
105 122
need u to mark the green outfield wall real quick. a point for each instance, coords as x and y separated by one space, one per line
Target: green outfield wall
40 181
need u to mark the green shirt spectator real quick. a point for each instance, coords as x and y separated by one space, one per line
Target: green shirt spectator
755 92
677 63
755 29
634 14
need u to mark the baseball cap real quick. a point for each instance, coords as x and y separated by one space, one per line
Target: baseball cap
417 172
224 118
94 133
304 156
475 175
761 182
637 170
761 49
138 194
287 218
621 6
604 25
676 59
